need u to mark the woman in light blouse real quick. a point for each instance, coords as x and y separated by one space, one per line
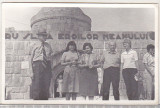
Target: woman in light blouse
88 73
70 77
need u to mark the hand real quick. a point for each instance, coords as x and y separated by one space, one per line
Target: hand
91 66
152 76
74 62
86 65
136 78
121 75
137 74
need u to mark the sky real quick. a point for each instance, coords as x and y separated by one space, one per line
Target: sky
103 19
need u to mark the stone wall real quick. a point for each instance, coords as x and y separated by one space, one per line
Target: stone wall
19 43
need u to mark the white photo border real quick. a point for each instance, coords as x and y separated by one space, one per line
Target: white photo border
120 102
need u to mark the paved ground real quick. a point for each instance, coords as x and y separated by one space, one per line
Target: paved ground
95 98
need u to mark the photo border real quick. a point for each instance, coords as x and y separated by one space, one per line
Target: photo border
120 102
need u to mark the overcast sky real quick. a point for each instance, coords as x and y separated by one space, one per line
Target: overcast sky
103 19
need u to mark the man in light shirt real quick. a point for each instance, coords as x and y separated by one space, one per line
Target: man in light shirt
111 65
41 66
129 69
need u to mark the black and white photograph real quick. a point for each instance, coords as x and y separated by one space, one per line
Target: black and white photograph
80 53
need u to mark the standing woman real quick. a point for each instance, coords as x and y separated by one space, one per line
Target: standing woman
88 76
148 74
129 68
70 76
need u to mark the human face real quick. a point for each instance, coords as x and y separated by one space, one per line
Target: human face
88 49
152 51
60 76
71 47
126 46
112 46
42 38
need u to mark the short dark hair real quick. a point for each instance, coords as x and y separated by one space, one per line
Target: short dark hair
71 43
150 46
87 44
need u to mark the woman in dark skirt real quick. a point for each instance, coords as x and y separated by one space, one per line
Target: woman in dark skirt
70 76
88 82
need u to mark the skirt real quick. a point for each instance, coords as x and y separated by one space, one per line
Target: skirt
70 80
88 85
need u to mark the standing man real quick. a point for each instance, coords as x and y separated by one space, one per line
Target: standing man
129 68
41 65
111 65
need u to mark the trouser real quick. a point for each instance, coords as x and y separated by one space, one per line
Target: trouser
131 83
111 74
153 96
148 85
40 81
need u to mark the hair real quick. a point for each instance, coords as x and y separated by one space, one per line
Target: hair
87 44
71 43
150 46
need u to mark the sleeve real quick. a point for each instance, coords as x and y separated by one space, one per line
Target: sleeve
145 59
119 58
51 51
81 59
135 56
122 59
63 56
95 59
102 58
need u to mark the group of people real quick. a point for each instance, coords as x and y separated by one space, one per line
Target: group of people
80 75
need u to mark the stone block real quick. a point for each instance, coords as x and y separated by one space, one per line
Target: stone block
9 45
9 70
15 52
15 90
19 46
24 89
17 96
16 80
16 58
17 68
9 58
12 58
28 51
8 93
119 44
97 45
9 64
26 81
9 52
27 44
21 58
21 52
27 57
27 95
8 79
26 72
20 89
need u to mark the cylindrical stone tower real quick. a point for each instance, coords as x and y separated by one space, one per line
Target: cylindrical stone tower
61 19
